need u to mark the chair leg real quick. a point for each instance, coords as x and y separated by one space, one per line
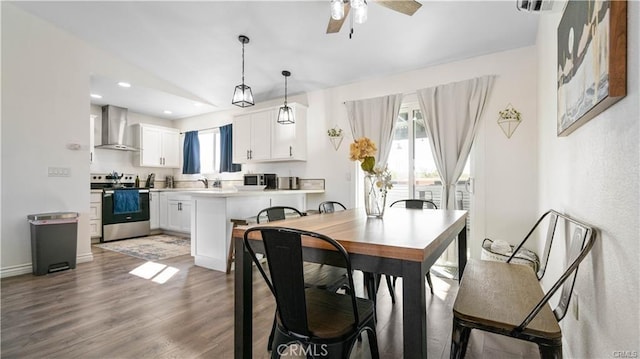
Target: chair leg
550 351
391 288
429 282
459 340
232 251
373 343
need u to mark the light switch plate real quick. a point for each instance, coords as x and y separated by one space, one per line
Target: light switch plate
59 172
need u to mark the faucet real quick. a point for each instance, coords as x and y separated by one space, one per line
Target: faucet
205 181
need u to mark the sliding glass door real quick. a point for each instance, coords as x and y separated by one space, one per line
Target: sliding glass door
414 171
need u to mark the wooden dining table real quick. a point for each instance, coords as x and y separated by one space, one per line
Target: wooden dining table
404 243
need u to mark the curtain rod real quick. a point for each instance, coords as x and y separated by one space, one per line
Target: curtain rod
203 129
403 94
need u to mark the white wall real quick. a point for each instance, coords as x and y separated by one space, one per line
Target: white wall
505 168
593 175
45 87
45 108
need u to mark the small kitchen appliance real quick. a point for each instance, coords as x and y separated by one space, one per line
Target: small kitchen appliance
261 179
288 183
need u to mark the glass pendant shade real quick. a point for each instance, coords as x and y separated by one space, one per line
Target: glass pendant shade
337 9
285 115
242 95
360 14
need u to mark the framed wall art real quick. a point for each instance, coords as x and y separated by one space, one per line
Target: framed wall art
592 60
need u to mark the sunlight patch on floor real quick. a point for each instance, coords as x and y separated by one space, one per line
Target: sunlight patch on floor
159 273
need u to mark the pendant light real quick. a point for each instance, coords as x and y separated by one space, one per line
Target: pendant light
242 95
285 115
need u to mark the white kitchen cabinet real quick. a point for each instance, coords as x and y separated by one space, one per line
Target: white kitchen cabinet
179 215
174 212
159 146
95 215
154 210
289 142
251 137
163 210
257 137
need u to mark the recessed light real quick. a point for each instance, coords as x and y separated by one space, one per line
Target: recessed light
124 84
95 95
167 112
197 104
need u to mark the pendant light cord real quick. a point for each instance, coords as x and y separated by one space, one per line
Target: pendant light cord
285 91
243 63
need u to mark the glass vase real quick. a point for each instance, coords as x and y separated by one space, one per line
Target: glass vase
375 196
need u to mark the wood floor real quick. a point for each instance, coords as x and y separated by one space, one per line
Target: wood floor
100 310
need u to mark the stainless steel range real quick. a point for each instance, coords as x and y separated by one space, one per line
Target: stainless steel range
125 209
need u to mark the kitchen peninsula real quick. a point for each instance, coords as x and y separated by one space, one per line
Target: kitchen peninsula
212 211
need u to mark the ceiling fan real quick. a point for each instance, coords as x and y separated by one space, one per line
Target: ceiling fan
340 10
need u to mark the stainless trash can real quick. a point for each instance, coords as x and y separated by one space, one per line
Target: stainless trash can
53 241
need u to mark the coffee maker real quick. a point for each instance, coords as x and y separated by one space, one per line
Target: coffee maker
150 180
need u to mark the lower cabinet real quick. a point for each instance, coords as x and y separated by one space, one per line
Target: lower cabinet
174 212
154 210
95 215
179 215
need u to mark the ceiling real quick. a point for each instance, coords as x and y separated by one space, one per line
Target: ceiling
194 46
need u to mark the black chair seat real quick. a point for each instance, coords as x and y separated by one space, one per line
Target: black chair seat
330 315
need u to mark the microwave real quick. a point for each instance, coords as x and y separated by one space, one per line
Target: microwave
270 180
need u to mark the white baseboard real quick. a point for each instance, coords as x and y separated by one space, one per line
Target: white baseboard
26 268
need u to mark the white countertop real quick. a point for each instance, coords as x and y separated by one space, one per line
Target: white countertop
214 192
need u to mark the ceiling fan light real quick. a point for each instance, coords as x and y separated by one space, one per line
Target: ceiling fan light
356 4
360 15
337 9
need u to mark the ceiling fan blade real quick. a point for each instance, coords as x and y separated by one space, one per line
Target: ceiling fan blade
335 25
407 7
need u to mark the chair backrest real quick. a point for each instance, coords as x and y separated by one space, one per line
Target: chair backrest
582 240
415 203
283 251
277 213
330 206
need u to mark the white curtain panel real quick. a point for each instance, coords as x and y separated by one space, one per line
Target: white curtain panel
375 118
451 114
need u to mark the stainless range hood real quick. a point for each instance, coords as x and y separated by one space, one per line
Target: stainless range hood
114 129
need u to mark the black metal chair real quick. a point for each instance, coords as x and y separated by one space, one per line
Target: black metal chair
507 298
413 204
319 320
277 213
330 206
322 277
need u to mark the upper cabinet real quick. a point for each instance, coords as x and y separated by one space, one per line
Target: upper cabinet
257 137
252 137
159 146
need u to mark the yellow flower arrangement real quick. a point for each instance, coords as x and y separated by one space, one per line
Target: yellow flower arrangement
363 150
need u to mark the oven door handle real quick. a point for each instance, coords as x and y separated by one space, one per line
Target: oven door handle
108 192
